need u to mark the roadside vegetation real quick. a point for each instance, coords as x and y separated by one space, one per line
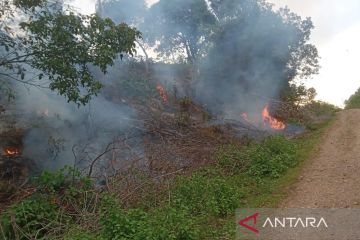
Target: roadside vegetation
201 145
196 205
353 101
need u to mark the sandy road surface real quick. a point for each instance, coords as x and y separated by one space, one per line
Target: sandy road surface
332 178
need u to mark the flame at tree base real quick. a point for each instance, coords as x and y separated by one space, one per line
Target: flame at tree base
162 92
271 121
267 120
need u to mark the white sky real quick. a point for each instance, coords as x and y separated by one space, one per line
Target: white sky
336 35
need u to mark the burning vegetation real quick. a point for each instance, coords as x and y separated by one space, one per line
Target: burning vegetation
162 93
267 121
11 151
270 121
148 135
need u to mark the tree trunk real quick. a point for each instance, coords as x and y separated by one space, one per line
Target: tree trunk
146 56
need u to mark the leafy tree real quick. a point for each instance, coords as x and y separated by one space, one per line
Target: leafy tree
131 12
353 101
180 27
299 94
59 45
257 53
128 11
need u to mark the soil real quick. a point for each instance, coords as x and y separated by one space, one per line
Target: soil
332 177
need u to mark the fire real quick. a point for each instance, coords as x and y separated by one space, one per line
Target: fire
11 151
162 92
272 122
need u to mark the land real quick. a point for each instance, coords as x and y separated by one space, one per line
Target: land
330 179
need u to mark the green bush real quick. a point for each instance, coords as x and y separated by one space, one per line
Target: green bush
30 219
136 224
320 109
45 212
272 157
205 195
76 233
232 159
66 178
353 101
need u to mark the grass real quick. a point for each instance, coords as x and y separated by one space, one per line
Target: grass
268 192
308 146
198 206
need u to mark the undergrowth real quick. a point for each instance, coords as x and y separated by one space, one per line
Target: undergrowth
197 206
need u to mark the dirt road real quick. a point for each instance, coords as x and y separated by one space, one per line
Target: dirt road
332 178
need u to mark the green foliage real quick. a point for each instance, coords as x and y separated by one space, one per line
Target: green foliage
201 194
321 109
61 45
255 51
353 101
78 234
180 26
232 159
29 4
132 83
199 206
66 178
136 224
45 212
298 94
33 218
272 157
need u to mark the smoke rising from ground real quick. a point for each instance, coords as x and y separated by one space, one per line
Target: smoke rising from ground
237 62
59 131
247 67
244 53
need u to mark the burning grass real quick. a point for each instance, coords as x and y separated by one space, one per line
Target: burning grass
11 151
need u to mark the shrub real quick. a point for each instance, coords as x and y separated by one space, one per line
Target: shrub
30 219
320 109
232 159
272 157
203 194
66 178
353 101
136 224
51 208
76 233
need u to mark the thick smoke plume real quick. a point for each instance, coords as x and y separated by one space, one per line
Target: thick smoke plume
240 56
62 133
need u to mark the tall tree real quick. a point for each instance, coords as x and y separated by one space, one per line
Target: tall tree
60 45
131 12
180 27
257 52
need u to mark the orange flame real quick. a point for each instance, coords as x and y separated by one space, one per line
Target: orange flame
272 122
11 151
162 92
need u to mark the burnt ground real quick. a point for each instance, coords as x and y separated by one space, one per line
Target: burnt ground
331 179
